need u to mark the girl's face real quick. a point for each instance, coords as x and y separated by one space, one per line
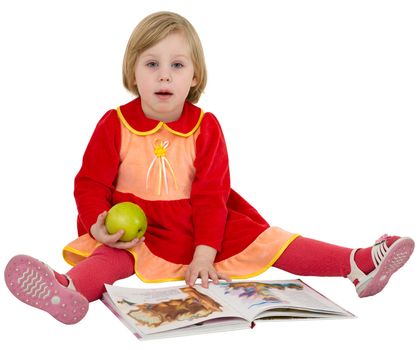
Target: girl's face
164 74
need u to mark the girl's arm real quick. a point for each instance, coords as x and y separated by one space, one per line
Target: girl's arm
211 185
209 195
94 184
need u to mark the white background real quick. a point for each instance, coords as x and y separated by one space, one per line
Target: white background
318 101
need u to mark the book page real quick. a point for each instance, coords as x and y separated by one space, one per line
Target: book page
158 310
253 298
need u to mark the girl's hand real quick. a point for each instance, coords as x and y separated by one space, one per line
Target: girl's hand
202 266
101 234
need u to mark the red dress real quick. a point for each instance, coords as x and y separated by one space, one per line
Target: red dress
178 173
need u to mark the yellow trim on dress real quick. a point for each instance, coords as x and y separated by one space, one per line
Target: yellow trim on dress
188 133
257 273
136 132
145 280
275 258
83 246
71 250
158 126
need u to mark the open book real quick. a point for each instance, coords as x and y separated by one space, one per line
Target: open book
183 310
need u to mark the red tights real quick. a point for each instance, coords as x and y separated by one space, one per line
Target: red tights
304 257
105 265
308 257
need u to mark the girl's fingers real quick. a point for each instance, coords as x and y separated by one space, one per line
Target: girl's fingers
101 218
126 245
114 238
116 243
204 279
224 277
192 278
214 276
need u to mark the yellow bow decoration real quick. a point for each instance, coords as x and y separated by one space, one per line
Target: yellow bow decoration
160 150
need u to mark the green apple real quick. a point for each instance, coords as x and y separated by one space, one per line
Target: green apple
129 217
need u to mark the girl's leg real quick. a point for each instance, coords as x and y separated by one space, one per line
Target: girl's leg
308 257
105 265
368 268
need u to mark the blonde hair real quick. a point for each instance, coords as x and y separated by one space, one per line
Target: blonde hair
149 32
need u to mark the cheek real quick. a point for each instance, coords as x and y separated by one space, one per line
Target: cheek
188 80
142 82
137 77
140 74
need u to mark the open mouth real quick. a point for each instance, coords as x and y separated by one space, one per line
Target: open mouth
164 93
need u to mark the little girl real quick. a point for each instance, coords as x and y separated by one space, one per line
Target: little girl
169 156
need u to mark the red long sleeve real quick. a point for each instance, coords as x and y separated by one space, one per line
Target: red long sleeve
211 186
94 184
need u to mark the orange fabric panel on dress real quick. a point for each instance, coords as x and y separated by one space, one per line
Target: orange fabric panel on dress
252 261
79 249
151 268
259 255
159 166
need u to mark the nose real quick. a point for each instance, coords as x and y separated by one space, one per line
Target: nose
165 76
164 79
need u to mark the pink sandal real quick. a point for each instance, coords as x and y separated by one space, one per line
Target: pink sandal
387 260
34 283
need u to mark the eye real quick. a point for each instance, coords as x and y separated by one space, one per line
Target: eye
178 65
152 64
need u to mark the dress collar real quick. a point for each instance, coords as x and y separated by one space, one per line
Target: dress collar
134 119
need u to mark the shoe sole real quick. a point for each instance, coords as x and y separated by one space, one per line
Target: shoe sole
33 283
397 255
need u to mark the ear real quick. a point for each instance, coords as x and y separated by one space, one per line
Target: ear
194 82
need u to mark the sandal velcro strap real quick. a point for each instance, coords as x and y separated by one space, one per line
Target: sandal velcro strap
378 252
356 273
